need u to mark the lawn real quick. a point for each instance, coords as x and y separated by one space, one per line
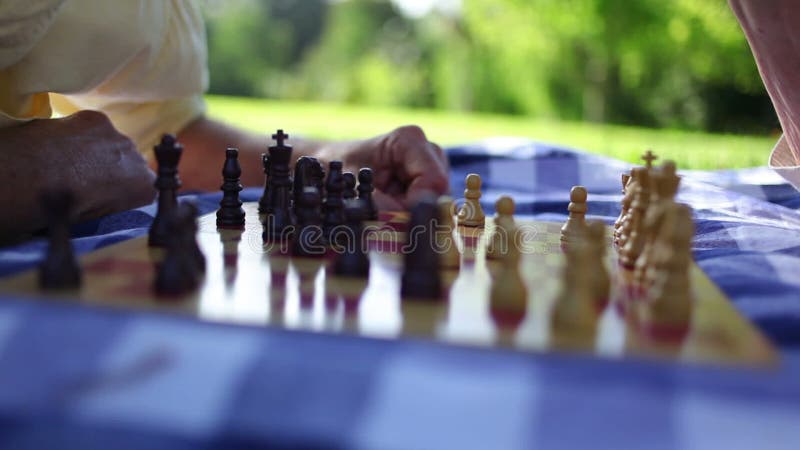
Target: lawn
691 150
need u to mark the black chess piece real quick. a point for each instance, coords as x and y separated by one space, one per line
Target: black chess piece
178 272
278 220
264 201
365 189
230 213
168 155
421 272
60 269
189 229
353 261
349 186
308 241
333 214
306 169
318 177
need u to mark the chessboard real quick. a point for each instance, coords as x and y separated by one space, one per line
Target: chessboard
251 282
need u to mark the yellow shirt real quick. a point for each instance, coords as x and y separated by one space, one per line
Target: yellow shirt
141 62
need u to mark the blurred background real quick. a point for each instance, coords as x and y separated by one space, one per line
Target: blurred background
607 76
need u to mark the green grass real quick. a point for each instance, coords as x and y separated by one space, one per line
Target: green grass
690 150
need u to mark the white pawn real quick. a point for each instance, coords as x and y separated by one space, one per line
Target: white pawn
575 308
449 256
504 228
596 242
508 291
471 213
575 226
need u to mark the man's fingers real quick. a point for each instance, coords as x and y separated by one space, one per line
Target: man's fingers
385 202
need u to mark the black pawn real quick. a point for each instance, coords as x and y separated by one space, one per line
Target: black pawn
230 213
333 216
421 272
168 155
278 220
178 273
349 186
354 260
60 269
264 201
308 241
365 189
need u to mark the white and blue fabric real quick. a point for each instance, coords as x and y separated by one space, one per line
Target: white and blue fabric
73 376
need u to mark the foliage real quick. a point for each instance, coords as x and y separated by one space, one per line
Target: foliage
678 64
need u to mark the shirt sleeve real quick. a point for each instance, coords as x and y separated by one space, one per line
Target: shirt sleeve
141 62
782 161
22 25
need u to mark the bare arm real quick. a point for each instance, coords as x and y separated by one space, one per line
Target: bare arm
82 153
405 163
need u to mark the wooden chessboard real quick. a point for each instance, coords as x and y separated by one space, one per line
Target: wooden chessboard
248 282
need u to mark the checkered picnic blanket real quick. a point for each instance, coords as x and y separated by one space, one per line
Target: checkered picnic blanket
78 377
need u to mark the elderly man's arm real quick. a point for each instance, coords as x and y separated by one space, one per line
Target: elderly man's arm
83 153
404 162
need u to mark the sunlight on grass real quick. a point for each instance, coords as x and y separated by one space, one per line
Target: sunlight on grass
691 150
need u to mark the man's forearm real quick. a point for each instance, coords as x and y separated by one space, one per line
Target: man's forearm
205 141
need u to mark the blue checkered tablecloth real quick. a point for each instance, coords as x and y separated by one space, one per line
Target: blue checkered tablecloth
79 377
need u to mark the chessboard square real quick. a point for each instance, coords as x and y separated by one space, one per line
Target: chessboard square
159 376
710 421
9 321
415 395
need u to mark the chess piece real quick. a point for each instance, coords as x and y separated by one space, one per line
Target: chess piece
575 226
308 241
333 208
60 269
449 256
230 213
365 189
508 295
575 309
633 233
595 255
665 183
349 186
504 228
278 219
420 278
168 154
648 157
307 172
265 201
670 297
625 204
623 231
317 174
178 273
471 213
353 261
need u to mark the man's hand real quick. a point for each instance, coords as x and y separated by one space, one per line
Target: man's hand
83 153
404 163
